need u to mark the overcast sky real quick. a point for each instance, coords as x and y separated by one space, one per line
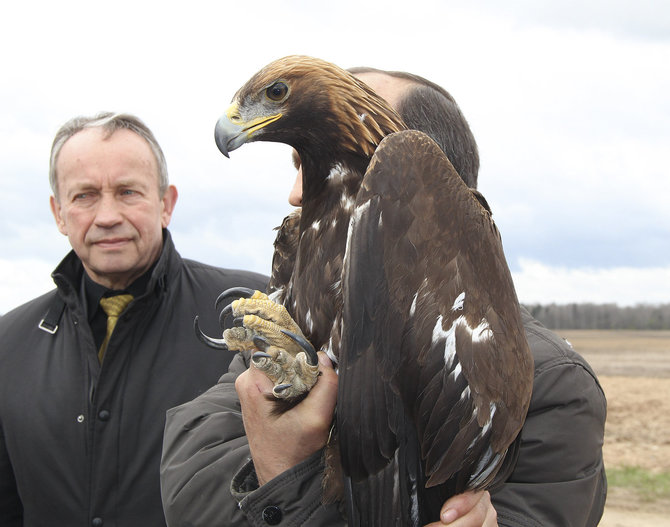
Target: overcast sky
569 102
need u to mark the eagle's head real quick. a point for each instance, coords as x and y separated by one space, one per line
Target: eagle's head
312 105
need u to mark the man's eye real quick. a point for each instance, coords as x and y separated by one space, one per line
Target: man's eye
83 195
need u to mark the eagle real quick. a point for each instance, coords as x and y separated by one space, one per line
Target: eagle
395 269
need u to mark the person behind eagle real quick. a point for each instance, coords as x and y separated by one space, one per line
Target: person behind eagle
223 466
88 370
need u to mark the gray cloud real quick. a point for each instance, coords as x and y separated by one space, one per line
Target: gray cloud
641 19
567 101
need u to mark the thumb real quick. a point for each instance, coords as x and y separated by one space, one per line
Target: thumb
323 395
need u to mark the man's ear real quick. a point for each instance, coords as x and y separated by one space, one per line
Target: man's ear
56 211
169 201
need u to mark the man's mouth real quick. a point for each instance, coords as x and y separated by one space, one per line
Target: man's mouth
111 243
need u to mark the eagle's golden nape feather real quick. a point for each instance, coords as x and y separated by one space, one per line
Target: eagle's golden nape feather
395 269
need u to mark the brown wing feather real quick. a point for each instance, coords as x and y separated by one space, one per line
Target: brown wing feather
431 329
283 260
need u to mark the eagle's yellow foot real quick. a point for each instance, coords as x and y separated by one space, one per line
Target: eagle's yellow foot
292 376
286 356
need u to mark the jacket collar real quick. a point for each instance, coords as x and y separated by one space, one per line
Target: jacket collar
68 274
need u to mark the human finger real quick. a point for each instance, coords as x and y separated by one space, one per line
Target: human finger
469 509
323 395
253 383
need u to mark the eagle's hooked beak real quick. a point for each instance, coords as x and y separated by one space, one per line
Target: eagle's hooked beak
232 131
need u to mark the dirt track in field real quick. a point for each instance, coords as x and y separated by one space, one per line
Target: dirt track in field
634 370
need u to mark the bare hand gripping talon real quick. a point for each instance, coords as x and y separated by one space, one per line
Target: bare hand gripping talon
285 356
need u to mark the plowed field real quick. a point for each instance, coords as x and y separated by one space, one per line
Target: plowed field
634 370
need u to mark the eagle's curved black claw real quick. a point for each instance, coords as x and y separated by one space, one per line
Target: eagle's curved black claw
224 313
260 355
260 342
218 344
306 345
281 387
237 292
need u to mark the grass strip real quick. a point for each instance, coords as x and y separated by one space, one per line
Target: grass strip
650 486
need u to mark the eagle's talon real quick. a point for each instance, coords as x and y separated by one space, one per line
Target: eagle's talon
238 292
276 344
222 320
225 313
260 342
306 345
219 344
227 310
281 388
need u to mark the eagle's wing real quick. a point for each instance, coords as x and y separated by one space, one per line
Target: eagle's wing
283 259
435 372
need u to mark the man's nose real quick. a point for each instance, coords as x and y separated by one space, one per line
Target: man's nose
108 212
295 195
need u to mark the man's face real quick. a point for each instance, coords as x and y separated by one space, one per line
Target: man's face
109 205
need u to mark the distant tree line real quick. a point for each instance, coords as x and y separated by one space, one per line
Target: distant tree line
602 316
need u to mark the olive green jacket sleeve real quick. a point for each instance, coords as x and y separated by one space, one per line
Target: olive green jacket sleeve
208 478
559 479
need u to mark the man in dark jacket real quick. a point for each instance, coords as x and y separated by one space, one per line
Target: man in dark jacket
210 475
82 413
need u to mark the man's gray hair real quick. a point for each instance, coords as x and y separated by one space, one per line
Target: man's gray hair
110 123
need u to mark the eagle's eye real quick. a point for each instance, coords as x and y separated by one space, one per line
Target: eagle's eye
277 91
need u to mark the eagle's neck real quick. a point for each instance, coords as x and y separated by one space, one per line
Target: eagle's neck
324 224
330 183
